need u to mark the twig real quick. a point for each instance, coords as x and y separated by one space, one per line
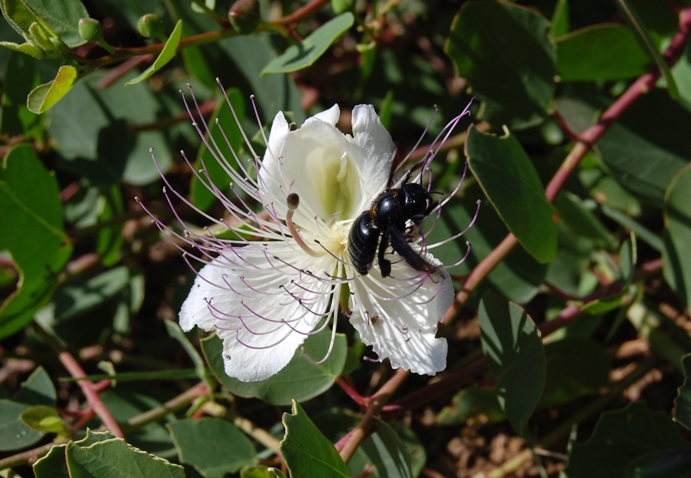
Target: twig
29 456
171 405
301 13
91 394
348 444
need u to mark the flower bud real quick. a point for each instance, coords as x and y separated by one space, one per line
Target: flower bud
90 29
150 25
244 16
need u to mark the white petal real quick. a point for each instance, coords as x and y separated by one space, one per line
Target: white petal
245 296
399 317
378 148
320 165
330 116
277 136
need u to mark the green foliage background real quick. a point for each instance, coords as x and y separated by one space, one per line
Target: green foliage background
570 330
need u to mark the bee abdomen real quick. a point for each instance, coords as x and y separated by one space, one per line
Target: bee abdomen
362 242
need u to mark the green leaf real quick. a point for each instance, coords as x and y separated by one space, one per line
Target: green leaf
94 437
42 42
517 278
249 54
580 221
387 453
34 237
513 348
153 437
306 451
682 403
600 52
256 471
560 19
62 17
75 305
110 239
677 235
297 57
200 195
506 53
176 332
44 97
511 183
167 54
15 434
642 158
114 458
628 257
44 419
660 464
53 464
300 380
37 390
681 72
97 142
25 48
21 76
213 446
620 437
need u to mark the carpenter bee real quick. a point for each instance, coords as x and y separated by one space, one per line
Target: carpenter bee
392 214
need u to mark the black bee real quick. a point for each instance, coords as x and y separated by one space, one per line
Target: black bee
385 224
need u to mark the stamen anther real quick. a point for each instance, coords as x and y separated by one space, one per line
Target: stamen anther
293 201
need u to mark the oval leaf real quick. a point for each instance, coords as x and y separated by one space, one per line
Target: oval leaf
29 195
512 345
643 158
113 458
512 184
306 451
297 57
213 446
511 65
167 54
600 52
43 97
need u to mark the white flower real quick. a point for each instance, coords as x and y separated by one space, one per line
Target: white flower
265 296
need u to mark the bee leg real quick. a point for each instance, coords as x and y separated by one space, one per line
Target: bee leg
401 245
384 264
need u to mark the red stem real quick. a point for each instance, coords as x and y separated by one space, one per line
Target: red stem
90 393
300 13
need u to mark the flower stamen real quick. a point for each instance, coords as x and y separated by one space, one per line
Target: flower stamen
293 201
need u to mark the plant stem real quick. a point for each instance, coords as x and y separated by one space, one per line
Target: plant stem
91 394
348 444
